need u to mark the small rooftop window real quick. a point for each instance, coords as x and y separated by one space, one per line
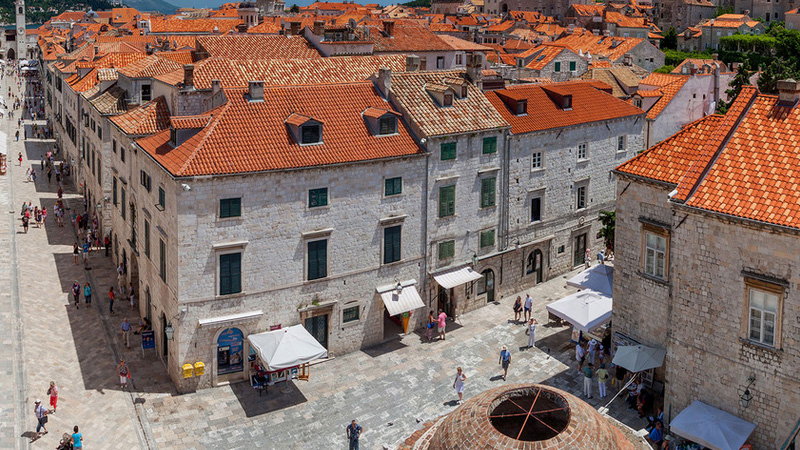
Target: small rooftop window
447 99
311 134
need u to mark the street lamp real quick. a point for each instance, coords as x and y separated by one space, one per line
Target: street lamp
474 259
398 289
745 397
169 331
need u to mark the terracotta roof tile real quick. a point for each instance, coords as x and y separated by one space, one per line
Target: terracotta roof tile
588 105
181 57
661 79
257 47
149 67
462 45
149 118
612 47
189 122
110 102
542 56
667 92
473 113
246 137
408 36
180 25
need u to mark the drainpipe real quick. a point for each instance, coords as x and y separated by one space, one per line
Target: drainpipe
504 201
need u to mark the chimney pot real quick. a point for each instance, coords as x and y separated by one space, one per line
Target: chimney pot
385 81
215 86
788 91
319 27
412 63
294 28
255 90
188 75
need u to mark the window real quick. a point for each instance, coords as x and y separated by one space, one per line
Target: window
447 201
162 198
387 125
582 151
489 145
147 238
537 159
100 132
230 273
459 59
447 249
317 259
580 197
440 62
637 102
763 311
230 207
114 191
572 66
620 143
317 197
145 179
447 99
146 93
351 314
655 254
122 153
487 238
122 207
393 186
162 259
391 244
114 145
448 150
558 66
488 186
536 209
311 134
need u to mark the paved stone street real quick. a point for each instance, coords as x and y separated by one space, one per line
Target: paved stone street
391 388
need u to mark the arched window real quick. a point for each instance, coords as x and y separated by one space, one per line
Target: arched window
20 9
529 265
230 345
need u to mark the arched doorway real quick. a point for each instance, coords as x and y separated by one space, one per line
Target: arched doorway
535 264
486 285
11 54
230 351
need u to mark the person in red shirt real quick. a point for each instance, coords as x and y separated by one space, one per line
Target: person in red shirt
442 324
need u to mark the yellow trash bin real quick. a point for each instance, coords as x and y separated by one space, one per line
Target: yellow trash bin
199 368
188 370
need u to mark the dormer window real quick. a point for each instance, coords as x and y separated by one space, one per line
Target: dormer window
522 107
442 93
447 100
381 122
311 134
566 102
463 92
387 125
457 85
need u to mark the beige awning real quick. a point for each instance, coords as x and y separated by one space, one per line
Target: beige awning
408 300
456 277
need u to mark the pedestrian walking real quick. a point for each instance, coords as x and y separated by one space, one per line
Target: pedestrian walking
588 374
86 246
20 154
111 299
431 325
620 373
592 347
442 325
25 222
49 174
41 417
33 175
42 161
580 355
131 296
76 293
52 391
602 379
458 384
517 309
531 332
77 438
354 431
528 307
126 332
505 361
28 175
87 294
75 252
124 374
107 244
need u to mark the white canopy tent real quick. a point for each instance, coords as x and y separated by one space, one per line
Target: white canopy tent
638 358
585 310
599 278
711 427
456 277
407 300
287 347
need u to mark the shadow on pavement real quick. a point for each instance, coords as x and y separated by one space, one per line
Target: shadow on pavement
384 348
254 404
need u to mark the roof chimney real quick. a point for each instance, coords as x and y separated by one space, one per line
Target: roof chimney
691 68
294 28
148 48
412 63
319 27
388 27
475 69
255 91
788 92
385 81
188 75
715 56
215 86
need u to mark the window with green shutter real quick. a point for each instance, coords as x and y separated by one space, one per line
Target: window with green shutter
391 244
572 66
114 190
487 238
162 198
350 314
489 145
447 249
488 186
147 238
122 206
317 197
317 259
558 66
162 260
230 273
230 207
447 201
448 151
393 186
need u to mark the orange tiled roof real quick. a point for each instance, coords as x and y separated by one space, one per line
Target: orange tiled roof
178 25
588 10
661 79
473 113
668 93
110 102
458 44
588 105
542 56
612 47
181 57
257 47
149 67
246 137
408 36
650 93
500 27
149 118
266 27
442 27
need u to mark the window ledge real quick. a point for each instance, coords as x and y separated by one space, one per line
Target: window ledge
351 324
318 208
230 296
537 170
759 345
451 216
315 280
229 219
653 278
393 263
583 160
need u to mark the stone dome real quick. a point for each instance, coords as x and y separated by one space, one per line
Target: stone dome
524 417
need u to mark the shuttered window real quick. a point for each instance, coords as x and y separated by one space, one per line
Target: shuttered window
230 207
230 273
391 244
448 151
317 259
489 145
488 186
447 201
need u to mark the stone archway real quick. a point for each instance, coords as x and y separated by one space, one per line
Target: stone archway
11 54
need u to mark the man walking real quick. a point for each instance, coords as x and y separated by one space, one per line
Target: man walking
528 306
353 433
126 332
505 360
442 324
580 355
602 379
592 350
41 417
531 332
588 373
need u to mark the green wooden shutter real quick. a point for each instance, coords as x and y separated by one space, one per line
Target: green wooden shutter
224 275
317 259
391 244
447 201
236 272
488 192
489 145
558 66
572 66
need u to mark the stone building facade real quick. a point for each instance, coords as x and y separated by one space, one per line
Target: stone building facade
712 280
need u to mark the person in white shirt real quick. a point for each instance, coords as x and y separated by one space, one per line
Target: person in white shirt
580 355
592 350
531 332
528 306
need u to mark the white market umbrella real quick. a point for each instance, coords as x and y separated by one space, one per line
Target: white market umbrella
287 347
599 278
637 358
711 427
585 310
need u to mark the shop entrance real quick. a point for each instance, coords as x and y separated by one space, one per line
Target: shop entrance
230 351
444 301
579 248
318 327
486 285
534 265
392 325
